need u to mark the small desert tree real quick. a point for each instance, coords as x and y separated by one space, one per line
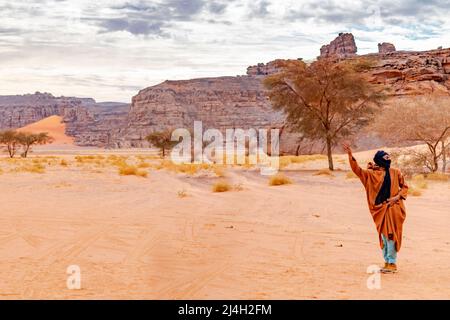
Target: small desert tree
162 140
27 140
9 139
325 100
418 120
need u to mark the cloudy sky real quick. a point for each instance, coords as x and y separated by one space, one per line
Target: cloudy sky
109 50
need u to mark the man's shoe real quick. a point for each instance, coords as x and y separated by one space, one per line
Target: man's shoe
390 268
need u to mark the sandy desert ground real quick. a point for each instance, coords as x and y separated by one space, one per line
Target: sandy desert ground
168 236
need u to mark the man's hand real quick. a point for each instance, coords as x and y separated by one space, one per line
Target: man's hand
347 149
393 200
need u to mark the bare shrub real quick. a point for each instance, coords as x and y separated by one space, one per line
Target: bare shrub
418 120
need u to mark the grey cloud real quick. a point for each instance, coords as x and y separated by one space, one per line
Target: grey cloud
185 9
259 9
329 12
10 31
391 12
217 7
164 11
414 8
145 18
212 21
136 27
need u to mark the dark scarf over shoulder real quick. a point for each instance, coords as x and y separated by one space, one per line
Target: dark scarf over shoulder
385 191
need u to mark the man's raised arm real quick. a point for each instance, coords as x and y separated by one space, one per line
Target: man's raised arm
361 173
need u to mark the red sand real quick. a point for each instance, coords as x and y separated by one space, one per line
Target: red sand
54 126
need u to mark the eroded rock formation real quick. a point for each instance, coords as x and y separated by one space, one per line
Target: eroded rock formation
223 102
88 122
229 102
220 103
386 47
264 69
413 73
343 46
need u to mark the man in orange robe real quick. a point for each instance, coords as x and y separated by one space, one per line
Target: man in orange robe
386 190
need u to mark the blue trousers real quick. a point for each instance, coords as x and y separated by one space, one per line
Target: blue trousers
389 252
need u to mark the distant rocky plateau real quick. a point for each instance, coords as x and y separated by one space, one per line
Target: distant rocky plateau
221 102
89 122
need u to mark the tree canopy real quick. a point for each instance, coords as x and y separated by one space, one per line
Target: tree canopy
162 140
324 100
14 140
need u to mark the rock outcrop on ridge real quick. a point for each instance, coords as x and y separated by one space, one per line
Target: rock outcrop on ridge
386 47
222 102
343 46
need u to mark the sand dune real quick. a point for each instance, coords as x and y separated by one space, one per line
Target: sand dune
54 126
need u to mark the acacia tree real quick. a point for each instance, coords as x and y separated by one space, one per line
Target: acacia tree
418 120
9 139
162 140
27 140
14 140
325 100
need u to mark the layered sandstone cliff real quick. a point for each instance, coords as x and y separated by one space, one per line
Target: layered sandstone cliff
229 102
21 110
88 122
223 102
220 103
413 73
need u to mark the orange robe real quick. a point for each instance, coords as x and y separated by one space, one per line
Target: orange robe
388 219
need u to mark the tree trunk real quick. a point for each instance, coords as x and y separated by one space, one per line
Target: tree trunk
444 157
25 152
297 151
11 151
330 154
434 163
164 152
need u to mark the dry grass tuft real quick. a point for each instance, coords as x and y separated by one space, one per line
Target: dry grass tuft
132 171
143 165
219 171
279 180
187 168
221 186
436 176
287 160
324 172
351 175
30 167
413 191
182 194
419 182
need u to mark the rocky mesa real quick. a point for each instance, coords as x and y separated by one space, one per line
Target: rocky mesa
89 122
222 102
241 101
